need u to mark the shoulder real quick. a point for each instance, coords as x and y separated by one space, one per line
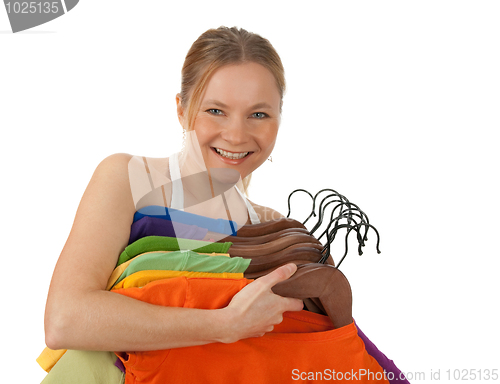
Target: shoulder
117 162
111 178
120 161
265 213
112 172
137 174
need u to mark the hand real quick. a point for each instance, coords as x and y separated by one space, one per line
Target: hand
256 309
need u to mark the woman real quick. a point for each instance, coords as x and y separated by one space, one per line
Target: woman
229 106
231 97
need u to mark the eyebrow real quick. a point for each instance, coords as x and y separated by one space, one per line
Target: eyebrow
222 105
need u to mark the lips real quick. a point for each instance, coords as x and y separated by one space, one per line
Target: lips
233 158
231 155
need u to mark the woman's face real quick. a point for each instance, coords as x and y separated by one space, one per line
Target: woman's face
239 116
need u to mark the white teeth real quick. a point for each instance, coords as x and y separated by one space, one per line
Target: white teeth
231 155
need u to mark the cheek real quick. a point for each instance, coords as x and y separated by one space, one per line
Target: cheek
268 136
205 131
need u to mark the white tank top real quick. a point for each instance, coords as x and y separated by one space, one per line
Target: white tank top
178 193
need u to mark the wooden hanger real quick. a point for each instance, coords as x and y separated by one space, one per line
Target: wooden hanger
324 282
264 238
268 227
259 271
305 254
273 246
292 247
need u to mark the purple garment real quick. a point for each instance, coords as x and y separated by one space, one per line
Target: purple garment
392 372
119 365
153 226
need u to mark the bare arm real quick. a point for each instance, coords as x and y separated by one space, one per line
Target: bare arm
81 314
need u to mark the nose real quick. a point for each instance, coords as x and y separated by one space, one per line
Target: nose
236 132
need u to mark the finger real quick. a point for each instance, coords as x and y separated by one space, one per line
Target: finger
279 274
293 305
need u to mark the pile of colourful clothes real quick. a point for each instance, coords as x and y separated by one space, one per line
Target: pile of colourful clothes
166 263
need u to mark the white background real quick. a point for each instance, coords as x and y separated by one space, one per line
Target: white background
395 104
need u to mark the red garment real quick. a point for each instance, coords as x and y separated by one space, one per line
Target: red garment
303 347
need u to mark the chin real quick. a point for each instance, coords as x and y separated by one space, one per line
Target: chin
225 175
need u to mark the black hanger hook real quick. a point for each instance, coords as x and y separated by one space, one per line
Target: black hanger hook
359 250
321 210
309 193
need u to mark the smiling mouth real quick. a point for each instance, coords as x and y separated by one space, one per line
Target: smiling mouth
231 155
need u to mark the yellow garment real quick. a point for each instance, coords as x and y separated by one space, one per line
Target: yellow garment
141 278
49 357
121 268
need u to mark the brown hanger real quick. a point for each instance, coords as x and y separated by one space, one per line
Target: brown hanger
272 226
264 238
261 265
307 254
273 246
313 304
324 282
311 246
261 272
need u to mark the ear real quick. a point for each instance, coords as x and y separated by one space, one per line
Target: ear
180 109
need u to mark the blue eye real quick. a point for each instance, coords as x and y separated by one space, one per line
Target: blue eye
259 115
214 111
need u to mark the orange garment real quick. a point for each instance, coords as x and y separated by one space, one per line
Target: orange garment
304 344
141 278
49 357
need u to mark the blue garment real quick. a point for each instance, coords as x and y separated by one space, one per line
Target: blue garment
152 226
226 227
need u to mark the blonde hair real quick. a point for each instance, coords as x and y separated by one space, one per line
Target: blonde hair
216 48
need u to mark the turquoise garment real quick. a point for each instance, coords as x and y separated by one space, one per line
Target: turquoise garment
185 261
164 243
85 367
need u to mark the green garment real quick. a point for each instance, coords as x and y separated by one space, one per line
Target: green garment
85 367
185 261
164 243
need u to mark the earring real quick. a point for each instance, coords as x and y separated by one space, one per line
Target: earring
183 140
270 159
